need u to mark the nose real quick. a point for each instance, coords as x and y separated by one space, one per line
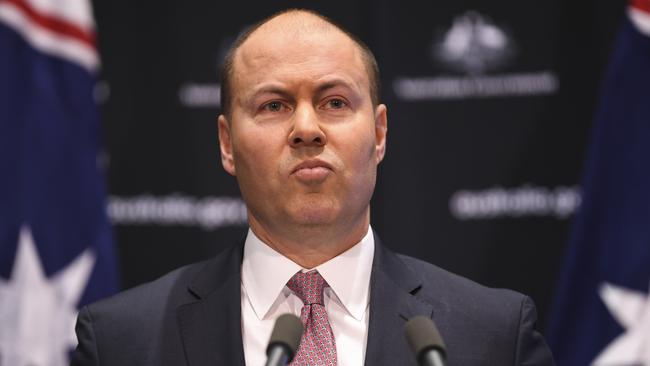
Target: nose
306 129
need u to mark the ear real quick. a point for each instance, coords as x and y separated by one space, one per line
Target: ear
381 129
225 145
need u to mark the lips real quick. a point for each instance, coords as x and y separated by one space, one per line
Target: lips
312 171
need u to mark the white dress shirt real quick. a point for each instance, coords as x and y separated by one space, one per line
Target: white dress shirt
265 296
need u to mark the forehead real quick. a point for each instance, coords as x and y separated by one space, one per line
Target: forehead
297 49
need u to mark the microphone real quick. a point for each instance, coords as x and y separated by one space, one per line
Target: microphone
425 341
284 341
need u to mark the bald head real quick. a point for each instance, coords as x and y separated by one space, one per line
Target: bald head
292 26
296 20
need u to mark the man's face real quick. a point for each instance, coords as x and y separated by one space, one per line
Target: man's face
304 139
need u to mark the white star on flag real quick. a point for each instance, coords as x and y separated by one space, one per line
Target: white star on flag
631 309
38 313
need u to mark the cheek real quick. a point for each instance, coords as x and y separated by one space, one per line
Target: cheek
356 150
360 147
257 153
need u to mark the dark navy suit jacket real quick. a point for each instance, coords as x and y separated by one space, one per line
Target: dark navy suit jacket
192 317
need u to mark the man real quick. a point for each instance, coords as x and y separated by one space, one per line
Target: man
303 132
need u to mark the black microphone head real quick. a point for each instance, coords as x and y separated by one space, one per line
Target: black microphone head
286 333
422 335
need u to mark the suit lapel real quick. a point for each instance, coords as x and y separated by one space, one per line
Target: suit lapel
210 327
392 303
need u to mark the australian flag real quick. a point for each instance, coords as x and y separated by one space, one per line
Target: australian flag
56 251
602 309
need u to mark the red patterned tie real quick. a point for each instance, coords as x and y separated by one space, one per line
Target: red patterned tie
317 347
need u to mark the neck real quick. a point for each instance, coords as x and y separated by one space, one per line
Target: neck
310 246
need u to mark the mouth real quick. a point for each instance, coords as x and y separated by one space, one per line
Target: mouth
312 171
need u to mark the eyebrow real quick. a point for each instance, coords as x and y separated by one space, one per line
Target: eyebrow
332 83
270 89
283 91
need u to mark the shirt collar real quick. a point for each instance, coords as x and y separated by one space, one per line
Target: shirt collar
265 272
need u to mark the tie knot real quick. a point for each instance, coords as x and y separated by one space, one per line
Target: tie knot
308 287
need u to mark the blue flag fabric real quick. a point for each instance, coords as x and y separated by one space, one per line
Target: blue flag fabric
56 250
602 309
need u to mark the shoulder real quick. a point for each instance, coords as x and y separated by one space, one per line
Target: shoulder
172 287
149 305
479 322
463 302
437 281
134 318
128 328
118 329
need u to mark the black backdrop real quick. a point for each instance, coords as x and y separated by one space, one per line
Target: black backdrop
490 105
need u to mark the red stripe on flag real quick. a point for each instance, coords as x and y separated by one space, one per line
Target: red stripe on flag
54 24
643 5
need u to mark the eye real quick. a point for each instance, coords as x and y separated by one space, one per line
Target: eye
274 106
336 103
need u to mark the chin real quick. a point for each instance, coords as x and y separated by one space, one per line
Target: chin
315 213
